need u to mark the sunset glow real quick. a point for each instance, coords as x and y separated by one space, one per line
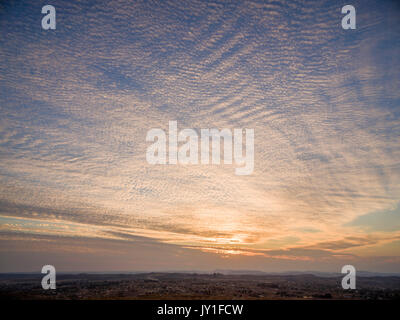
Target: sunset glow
76 104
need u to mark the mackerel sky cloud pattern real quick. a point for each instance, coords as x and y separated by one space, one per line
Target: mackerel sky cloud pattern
76 104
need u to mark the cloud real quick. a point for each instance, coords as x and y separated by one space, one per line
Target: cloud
77 103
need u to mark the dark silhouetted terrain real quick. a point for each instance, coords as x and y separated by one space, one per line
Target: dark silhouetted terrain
196 286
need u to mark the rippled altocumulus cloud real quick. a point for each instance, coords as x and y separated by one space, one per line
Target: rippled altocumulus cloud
77 102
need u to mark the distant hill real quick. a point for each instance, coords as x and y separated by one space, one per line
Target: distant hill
315 273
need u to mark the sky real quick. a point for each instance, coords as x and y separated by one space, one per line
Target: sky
77 102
